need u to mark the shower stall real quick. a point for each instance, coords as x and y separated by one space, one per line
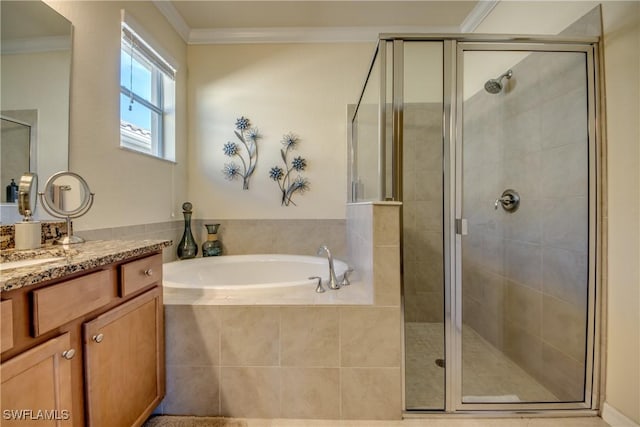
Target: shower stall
492 145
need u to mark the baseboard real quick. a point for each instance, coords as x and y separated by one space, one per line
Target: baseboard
615 418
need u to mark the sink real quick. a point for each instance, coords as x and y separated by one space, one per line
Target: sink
26 263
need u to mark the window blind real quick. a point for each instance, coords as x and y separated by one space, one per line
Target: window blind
141 47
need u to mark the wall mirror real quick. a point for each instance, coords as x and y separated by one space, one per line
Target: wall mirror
36 48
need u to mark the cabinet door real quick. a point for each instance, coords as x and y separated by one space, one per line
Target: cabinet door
36 385
124 362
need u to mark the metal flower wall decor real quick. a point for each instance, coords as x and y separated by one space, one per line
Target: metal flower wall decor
248 137
288 184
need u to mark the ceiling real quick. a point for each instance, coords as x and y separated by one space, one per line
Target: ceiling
224 21
249 14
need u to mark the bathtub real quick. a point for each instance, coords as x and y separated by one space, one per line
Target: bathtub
256 279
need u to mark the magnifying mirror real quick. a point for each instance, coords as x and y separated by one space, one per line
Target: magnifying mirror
67 195
27 195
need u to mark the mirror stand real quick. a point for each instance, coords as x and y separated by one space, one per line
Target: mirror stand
78 186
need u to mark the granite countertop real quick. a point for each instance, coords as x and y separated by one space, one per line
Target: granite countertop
73 258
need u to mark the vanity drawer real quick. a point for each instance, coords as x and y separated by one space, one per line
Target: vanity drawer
58 304
139 274
6 325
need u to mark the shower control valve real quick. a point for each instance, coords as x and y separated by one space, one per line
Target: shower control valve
509 199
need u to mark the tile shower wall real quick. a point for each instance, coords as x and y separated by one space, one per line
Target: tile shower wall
525 273
326 362
422 220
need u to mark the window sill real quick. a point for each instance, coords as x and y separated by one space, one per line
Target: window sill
142 153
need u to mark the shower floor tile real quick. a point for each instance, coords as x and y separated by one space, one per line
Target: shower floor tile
488 375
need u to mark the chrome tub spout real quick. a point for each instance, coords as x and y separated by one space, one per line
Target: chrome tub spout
333 280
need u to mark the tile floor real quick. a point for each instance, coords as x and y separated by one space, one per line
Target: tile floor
436 422
487 374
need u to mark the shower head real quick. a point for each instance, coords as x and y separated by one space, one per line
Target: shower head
495 85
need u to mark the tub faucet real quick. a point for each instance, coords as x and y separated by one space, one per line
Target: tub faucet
333 280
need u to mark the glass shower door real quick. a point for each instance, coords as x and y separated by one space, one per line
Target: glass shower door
525 270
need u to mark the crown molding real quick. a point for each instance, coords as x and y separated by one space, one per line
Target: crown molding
303 34
478 14
311 34
37 44
173 16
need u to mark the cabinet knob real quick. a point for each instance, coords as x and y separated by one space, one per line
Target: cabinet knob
148 272
98 338
68 354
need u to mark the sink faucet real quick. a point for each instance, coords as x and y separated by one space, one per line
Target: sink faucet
333 280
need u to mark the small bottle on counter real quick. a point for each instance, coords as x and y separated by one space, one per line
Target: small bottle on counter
12 192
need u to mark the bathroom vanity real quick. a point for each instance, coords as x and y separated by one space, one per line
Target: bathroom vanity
82 336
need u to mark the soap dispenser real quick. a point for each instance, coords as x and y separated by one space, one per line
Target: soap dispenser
12 192
212 246
28 233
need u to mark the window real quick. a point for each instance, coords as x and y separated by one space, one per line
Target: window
147 98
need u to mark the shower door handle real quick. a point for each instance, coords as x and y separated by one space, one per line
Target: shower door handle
462 227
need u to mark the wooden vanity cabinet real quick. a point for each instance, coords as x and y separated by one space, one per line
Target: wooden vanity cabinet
88 349
37 386
124 360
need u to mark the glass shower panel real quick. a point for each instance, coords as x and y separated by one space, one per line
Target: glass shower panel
365 151
422 220
525 191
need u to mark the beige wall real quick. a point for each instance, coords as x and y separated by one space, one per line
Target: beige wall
622 74
130 188
303 88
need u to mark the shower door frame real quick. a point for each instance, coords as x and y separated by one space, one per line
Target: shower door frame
591 392
453 47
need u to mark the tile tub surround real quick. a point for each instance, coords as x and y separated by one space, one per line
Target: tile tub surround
240 237
283 362
79 257
279 236
373 247
308 361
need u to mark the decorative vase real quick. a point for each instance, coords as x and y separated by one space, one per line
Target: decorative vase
213 246
187 248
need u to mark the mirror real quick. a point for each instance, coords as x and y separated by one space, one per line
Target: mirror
67 195
36 70
15 152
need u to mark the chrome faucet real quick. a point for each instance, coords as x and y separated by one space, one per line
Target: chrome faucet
333 280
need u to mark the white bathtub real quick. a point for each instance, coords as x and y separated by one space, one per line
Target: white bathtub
255 279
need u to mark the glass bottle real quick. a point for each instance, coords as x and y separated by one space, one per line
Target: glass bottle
187 248
12 192
213 246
